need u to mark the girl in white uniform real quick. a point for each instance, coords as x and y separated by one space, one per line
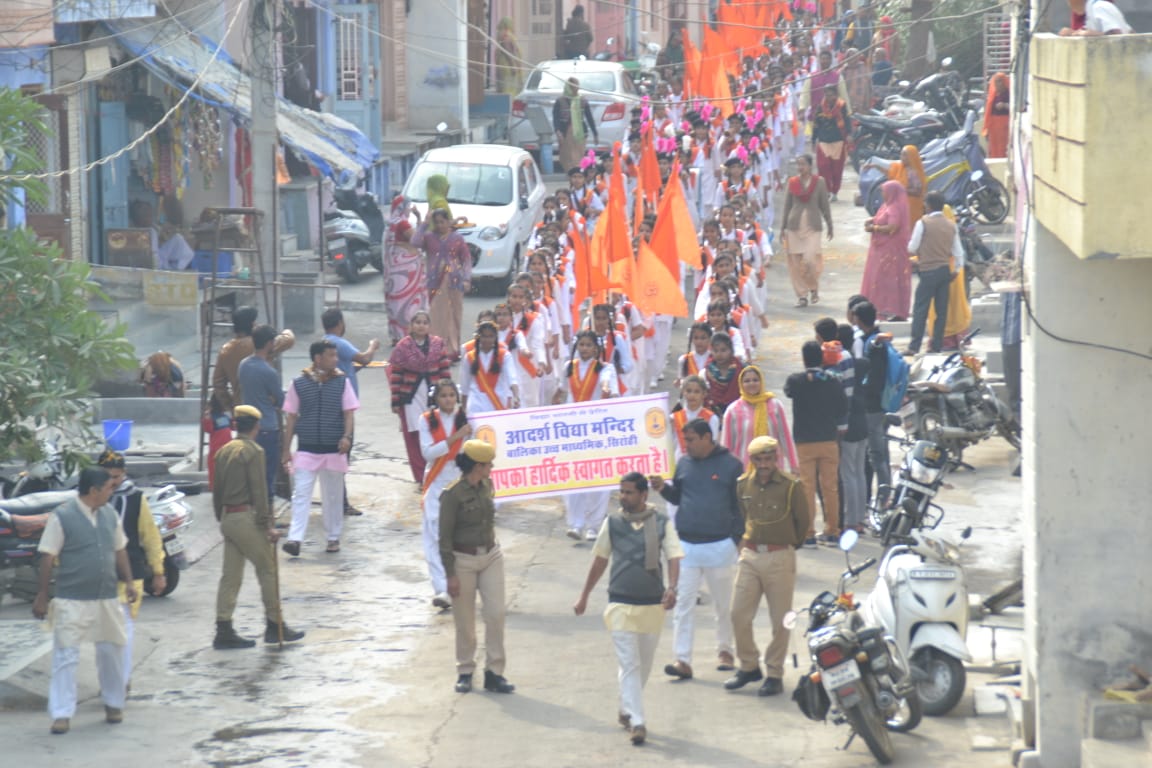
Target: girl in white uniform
443 430
487 376
586 378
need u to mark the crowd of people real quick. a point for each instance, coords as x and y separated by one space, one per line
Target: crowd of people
751 478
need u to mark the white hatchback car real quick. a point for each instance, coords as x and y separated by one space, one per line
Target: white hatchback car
500 192
606 85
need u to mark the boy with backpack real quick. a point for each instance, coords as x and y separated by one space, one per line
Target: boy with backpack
883 389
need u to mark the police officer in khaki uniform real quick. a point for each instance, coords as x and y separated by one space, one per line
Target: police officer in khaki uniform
474 563
240 499
775 514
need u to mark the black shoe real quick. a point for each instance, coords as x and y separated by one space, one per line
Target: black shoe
350 511
226 638
464 684
291 547
742 678
272 633
772 686
495 683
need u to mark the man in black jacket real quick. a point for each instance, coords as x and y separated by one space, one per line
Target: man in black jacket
709 525
870 346
819 407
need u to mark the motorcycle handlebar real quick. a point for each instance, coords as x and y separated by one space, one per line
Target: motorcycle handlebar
863 566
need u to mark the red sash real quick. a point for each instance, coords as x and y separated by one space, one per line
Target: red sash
680 419
486 379
440 435
582 390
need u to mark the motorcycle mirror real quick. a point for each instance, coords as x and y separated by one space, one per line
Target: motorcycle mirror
610 41
967 533
789 620
904 83
947 62
848 540
977 175
441 127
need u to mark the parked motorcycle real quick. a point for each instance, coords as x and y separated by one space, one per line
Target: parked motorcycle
354 233
955 407
977 256
47 474
22 522
879 135
172 516
916 484
951 165
921 600
858 672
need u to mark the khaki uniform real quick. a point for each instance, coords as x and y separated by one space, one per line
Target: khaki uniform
775 521
470 552
240 500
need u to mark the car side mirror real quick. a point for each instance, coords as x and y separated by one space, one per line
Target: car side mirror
523 203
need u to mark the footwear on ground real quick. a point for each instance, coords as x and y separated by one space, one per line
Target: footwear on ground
742 678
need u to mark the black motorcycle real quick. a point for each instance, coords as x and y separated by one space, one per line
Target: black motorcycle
977 255
858 674
955 407
880 136
909 502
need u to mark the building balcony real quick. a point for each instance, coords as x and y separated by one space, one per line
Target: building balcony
1091 150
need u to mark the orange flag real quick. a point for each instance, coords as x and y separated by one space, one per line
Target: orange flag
673 238
691 65
649 165
610 240
655 290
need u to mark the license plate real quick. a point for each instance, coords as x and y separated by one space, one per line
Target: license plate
337 245
174 546
840 675
932 573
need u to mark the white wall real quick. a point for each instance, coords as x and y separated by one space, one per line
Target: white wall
1087 484
436 53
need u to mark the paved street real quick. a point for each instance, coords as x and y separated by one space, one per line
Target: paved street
371 684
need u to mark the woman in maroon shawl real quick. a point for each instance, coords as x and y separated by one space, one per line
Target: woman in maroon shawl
887 273
418 361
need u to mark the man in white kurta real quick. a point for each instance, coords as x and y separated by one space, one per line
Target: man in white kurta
85 537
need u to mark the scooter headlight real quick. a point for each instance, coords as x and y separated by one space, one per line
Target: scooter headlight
493 233
922 473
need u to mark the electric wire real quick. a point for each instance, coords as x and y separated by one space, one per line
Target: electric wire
147 133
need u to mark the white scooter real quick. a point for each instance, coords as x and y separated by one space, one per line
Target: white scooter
921 600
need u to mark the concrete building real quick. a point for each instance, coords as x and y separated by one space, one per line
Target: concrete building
1081 147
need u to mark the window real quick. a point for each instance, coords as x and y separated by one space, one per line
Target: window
552 81
468 183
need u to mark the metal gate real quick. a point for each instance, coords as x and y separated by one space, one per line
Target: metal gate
51 218
997 44
357 34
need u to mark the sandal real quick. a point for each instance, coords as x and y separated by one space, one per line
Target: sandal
333 546
802 302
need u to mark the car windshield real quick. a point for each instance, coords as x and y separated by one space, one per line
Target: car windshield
552 81
468 183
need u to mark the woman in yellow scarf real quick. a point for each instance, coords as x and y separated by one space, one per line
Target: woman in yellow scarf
909 171
757 412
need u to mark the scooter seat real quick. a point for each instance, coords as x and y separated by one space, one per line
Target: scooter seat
879 121
35 503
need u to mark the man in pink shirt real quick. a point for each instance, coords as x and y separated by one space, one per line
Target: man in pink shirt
319 409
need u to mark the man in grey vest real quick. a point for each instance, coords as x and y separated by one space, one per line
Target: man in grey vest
85 536
633 539
939 257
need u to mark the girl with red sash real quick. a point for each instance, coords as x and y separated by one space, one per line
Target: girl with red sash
487 377
699 354
586 377
443 430
722 374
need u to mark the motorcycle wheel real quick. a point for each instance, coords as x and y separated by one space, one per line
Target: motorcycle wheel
349 270
992 203
865 148
908 716
944 681
171 579
868 724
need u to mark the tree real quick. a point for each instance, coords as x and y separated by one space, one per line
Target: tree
55 348
957 31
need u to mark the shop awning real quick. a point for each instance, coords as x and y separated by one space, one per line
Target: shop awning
178 55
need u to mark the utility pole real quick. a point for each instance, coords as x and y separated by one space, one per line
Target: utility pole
916 63
262 75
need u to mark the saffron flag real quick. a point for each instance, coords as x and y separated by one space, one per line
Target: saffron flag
674 238
655 289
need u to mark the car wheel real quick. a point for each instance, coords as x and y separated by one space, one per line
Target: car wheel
503 283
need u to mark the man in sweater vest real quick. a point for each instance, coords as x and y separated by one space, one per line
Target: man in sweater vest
938 258
85 536
633 540
319 408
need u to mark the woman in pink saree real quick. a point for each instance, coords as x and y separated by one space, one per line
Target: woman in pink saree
887 273
405 286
